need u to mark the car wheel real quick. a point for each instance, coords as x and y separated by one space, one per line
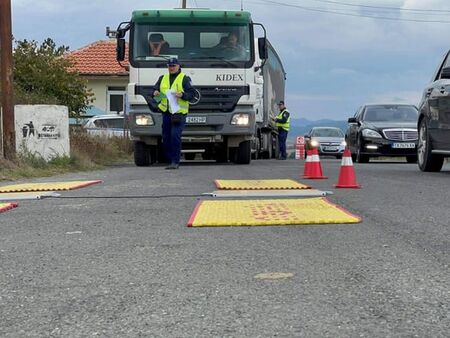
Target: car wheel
425 159
360 158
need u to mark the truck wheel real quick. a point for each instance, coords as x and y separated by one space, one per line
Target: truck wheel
426 160
275 148
244 153
141 154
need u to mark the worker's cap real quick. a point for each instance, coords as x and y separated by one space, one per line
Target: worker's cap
281 103
172 61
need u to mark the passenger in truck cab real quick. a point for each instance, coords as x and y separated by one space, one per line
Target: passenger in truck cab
231 46
157 44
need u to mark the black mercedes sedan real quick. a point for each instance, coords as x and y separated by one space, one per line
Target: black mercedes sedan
383 130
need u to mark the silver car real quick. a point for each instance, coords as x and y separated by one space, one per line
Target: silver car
107 126
327 140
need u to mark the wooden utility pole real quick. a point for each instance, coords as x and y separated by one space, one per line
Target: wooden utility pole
183 4
6 80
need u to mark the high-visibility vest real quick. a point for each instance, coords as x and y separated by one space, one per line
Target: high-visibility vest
286 125
177 86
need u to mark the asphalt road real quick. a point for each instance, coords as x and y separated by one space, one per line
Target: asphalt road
94 264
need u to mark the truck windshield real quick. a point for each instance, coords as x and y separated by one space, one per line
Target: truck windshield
193 42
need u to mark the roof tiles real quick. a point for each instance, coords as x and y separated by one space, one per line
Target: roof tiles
98 58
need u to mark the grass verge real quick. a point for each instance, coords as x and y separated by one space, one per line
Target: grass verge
87 153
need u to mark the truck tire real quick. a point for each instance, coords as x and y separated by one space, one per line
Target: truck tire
275 147
267 153
141 154
427 161
244 153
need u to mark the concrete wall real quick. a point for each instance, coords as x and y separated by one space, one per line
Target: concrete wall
42 130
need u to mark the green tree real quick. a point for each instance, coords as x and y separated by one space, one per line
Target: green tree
43 76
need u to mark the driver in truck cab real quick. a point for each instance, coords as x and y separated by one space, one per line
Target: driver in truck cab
173 121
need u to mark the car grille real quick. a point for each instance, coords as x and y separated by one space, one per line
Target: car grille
401 134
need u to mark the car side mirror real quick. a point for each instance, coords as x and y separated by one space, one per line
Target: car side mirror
352 120
445 73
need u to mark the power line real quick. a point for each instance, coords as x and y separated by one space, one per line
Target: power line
383 7
321 10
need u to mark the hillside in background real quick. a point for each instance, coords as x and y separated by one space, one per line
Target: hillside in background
301 126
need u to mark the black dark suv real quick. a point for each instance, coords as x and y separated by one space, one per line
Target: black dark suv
383 130
434 120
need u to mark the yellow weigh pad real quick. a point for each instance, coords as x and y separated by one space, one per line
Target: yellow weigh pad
259 184
269 212
49 186
7 206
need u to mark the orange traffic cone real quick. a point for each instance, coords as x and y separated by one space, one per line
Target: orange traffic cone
307 169
347 177
315 169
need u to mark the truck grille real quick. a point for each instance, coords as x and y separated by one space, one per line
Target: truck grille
401 134
213 98
218 99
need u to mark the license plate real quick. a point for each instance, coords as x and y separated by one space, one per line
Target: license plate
196 119
403 145
330 148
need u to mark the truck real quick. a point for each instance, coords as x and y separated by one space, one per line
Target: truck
232 117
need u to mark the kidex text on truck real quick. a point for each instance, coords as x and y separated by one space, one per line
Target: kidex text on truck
239 87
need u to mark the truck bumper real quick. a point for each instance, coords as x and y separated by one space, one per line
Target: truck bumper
217 128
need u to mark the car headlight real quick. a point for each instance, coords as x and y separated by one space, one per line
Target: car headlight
144 120
240 119
343 144
370 133
314 143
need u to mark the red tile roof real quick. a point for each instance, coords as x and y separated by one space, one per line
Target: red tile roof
98 58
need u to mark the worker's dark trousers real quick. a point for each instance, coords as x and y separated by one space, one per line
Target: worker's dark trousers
171 137
282 136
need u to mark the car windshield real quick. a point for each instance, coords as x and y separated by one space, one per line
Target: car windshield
391 114
327 132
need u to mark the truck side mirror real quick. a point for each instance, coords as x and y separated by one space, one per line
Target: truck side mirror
262 48
120 49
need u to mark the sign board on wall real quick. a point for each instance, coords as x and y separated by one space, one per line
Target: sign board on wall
42 130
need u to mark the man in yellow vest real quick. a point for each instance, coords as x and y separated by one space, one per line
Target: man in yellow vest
282 121
173 121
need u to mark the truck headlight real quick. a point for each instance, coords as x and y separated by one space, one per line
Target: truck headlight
144 120
370 133
240 119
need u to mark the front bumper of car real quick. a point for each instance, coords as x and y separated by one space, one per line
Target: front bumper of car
383 147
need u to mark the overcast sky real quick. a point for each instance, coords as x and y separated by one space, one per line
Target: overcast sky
334 62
